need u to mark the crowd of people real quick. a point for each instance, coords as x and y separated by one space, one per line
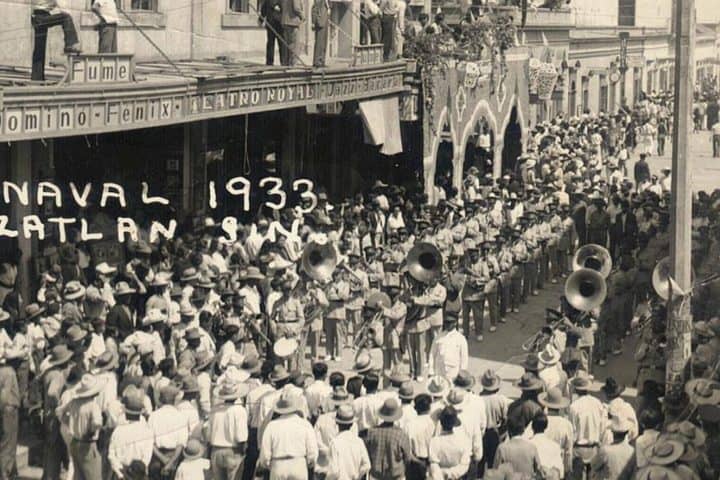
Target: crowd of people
204 358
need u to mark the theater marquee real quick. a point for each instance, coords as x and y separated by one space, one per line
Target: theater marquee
99 110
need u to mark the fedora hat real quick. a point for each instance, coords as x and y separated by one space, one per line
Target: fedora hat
456 398
133 400
279 373
251 273
391 411
406 391
161 279
152 316
664 451
490 381
289 402
32 311
612 389
193 450
531 362
73 290
189 275
464 379
528 382
204 282
553 399
549 355
702 391
689 432
187 310
437 386
59 355
105 269
397 377
169 395
345 415
656 472
89 387
581 382
363 362
203 358
76 334
339 396
107 361
122 288
229 391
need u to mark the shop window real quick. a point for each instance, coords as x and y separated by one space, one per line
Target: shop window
239 6
626 13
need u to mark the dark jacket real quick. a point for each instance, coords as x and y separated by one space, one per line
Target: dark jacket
271 10
292 13
642 171
319 14
118 317
626 234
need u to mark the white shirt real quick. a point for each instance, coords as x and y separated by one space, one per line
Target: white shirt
448 354
197 469
169 427
288 437
449 455
620 408
589 418
316 395
348 457
420 430
132 441
550 453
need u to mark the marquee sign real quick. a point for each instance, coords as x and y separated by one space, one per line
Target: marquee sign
64 115
100 68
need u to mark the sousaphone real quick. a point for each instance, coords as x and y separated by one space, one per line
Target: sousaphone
585 289
594 257
661 280
319 261
424 262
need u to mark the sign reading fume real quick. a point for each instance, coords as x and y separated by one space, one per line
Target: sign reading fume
112 195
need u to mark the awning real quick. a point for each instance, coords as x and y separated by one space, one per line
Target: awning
381 121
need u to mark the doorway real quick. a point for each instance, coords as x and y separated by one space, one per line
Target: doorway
479 148
512 142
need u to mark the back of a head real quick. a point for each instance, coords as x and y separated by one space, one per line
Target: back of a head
371 382
423 403
337 379
516 427
539 423
354 386
319 370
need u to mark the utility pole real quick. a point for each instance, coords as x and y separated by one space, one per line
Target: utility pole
679 315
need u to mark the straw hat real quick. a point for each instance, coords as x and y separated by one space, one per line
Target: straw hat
437 386
279 373
230 391
664 452
152 316
73 290
289 402
345 415
107 361
464 379
529 382
122 288
105 269
193 450
620 424
391 411
339 396
398 377
702 391
689 432
490 381
553 399
407 391
89 387
32 311
656 472
363 362
549 355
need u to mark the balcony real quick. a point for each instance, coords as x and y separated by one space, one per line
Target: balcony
545 18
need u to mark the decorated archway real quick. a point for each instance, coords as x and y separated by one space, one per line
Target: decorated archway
467 92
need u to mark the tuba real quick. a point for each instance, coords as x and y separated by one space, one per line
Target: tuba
424 262
594 257
585 289
661 279
319 261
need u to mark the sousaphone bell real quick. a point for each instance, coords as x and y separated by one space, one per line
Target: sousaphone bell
585 289
319 260
594 257
661 277
424 262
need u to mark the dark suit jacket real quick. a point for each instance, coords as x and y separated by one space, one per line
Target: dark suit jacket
118 318
269 12
292 13
626 234
642 172
320 14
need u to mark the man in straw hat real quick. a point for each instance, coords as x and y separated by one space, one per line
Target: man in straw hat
618 407
472 423
83 419
227 432
348 456
133 440
526 407
194 464
589 417
288 446
559 429
53 373
449 350
121 316
385 438
450 452
170 431
495 405
615 461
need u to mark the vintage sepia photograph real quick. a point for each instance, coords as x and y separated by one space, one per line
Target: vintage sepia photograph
359 239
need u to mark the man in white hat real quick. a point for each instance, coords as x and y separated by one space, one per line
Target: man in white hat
348 456
288 448
227 432
83 419
552 373
559 428
615 461
132 440
105 273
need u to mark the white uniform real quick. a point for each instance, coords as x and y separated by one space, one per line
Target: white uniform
448 354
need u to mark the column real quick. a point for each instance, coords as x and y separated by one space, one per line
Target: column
21 171
194 172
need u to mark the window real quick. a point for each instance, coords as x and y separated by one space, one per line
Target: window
637 84
626 13
239 6
603 101
572 94
650 82
141 5
585 94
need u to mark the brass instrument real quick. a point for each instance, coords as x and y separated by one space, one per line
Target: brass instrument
585 289
594 257
319 261
424 262
662 281
531 344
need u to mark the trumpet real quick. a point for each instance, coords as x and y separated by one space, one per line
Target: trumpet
531 344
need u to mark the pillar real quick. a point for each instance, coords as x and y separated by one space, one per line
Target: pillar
21 171
194 171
